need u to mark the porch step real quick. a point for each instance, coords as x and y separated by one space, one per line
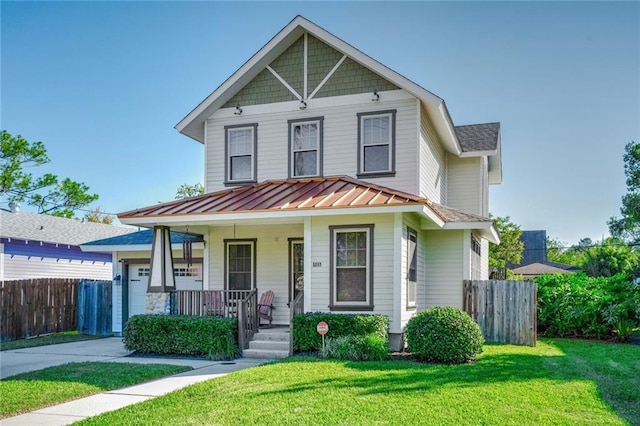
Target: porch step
268 344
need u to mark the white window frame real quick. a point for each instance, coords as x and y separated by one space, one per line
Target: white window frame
228 169
292 151
227 245
367 304
412 281
391 143
476 259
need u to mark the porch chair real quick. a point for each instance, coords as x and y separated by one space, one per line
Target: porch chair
265 306
213 304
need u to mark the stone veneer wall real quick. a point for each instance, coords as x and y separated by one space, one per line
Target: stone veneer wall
157 303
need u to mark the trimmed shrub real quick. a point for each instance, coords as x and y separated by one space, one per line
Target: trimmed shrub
577 305
212 337
369 347
306 337
445 335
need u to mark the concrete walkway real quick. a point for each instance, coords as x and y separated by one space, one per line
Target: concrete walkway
105 350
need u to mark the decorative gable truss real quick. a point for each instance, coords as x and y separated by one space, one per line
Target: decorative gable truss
309 69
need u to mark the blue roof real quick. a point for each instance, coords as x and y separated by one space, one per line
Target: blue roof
142 237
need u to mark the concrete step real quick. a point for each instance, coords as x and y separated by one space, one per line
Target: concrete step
276 345
279 336
264 354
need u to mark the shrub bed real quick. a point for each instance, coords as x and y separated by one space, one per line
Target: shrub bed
306 337
445 335
578 305
370 347
211 337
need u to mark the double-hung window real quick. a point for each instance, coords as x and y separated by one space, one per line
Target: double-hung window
412 267
240 264
305 147
241 145
376 143
351 267
476 259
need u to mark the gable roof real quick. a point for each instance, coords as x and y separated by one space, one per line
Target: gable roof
296 198
539 269
51 229
192 124
482 140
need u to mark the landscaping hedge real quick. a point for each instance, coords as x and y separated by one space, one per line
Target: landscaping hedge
369 347
211 337
578 305
306 337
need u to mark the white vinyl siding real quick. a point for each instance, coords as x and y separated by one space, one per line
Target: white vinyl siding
17 267
484 272
433 176
444 263
271 260
464 184
339 147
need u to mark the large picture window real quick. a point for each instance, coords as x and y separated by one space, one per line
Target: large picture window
305 152
240 264
351 267
241 143
376 143
412 267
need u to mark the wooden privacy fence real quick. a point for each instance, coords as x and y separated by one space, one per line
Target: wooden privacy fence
94 307
37 306
504 310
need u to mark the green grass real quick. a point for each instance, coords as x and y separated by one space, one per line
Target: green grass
49 339
53 385
558 382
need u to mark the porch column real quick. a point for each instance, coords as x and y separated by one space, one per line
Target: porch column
161 278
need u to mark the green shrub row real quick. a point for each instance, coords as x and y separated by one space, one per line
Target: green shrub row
306 337
211 337
578 305
369 347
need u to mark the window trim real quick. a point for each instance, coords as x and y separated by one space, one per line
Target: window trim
334 305
291 158
227 158
229 242
392 143
412 304
475 258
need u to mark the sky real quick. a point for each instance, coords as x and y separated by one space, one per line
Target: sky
102 85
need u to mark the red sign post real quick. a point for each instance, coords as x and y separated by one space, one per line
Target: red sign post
323 328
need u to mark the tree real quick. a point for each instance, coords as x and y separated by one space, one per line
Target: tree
627 228
558 251
610 258
98 216
185 190
510 248
48 193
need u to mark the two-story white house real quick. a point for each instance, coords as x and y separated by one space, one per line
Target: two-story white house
332 176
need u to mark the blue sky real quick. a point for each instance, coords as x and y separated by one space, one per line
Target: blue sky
102 84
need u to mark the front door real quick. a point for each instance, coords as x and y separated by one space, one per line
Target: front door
296 268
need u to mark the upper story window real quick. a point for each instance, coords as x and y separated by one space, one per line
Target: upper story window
305 147
240 150
376 143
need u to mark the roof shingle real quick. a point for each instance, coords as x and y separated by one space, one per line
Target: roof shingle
478 137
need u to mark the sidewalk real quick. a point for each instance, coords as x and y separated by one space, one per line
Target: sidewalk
106 350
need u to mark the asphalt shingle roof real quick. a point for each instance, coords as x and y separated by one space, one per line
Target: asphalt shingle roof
142 237
52 229
478 137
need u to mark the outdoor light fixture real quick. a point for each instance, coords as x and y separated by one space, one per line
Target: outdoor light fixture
375 97
238 110
303 104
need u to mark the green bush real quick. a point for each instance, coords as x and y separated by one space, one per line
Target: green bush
577 305
211 337
306 337
444 334
369 347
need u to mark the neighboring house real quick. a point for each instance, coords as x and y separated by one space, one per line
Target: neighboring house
534 257
328 173
42 246
130 255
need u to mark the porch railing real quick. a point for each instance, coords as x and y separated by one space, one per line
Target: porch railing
222 303
296 306
248 318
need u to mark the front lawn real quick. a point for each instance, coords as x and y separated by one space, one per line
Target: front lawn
48 339
54 385
557 382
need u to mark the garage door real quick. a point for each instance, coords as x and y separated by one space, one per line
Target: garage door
187 278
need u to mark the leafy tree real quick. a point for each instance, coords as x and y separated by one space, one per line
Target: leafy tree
557 251
610 258
510 248
627 228
48 193
98 216
185 190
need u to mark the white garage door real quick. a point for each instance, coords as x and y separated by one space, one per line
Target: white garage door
187 278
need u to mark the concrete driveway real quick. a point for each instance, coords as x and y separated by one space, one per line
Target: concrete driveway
110 349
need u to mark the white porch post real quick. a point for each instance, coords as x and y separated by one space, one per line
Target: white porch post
307 264
161 279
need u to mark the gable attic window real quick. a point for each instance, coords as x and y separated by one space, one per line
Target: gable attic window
305 147
240 153
376 143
